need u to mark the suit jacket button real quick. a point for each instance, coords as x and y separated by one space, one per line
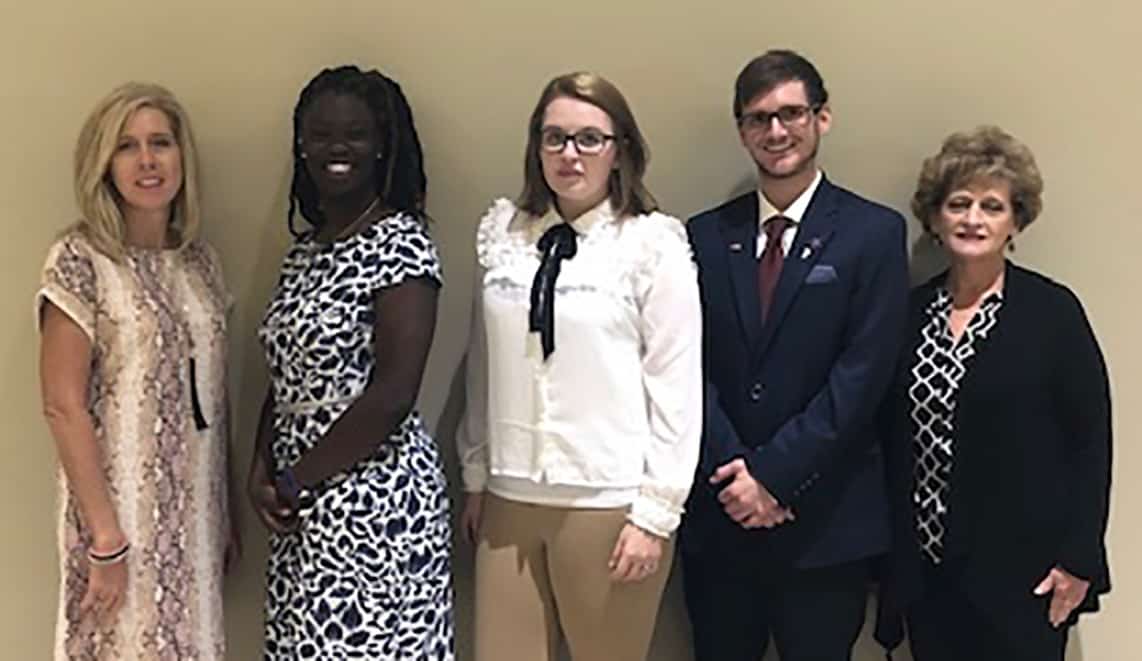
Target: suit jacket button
755 392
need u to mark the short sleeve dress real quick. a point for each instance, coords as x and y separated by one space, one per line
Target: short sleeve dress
367 573
148 316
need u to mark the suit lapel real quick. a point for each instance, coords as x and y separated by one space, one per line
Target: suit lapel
739 231
816 229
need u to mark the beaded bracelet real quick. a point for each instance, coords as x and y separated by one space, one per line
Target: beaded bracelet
119 555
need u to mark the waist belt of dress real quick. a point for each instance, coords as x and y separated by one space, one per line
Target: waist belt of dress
310 405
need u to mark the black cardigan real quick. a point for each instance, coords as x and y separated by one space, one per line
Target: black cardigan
1031 475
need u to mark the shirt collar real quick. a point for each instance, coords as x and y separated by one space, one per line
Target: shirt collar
796 211
942 302
596 216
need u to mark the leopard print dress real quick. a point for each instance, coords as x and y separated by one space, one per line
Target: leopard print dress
367 573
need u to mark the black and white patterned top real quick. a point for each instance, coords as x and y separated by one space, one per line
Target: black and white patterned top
940 364
318 327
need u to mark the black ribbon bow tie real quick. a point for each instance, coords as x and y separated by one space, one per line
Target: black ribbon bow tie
558 243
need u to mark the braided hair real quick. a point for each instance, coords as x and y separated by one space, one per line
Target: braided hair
400 180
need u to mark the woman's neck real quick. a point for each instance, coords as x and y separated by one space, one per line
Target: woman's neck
570 210
971 282
147 229
341 214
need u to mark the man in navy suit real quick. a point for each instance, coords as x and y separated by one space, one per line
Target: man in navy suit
804 288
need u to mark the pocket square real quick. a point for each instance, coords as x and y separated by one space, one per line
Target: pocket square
821 274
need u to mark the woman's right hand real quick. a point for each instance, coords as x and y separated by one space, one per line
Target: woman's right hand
106 590
470 517
275 514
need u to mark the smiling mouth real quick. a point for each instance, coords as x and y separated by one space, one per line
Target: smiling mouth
338 168
149 182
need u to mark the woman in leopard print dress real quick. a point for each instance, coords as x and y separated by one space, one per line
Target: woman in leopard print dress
346 476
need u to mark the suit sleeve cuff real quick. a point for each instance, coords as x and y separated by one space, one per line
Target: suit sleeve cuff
777 479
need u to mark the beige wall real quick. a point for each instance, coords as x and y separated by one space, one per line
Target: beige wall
902 74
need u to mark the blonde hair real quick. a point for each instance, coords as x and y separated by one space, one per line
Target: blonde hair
102 218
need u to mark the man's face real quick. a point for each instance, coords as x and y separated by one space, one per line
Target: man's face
782 131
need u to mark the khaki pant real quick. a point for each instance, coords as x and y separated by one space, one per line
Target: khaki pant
541 570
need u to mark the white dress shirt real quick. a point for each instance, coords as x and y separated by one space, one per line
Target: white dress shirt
795 213
613 417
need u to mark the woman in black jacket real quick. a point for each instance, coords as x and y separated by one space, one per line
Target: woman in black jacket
1000 440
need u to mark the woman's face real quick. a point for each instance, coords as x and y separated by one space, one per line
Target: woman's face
976 221
146 167
577 150
340 144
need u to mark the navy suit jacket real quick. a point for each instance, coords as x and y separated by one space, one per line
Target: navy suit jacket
797 397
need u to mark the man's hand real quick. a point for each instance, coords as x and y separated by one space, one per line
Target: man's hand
746 500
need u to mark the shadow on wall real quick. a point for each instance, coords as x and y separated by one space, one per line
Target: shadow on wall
927 259
245 589
447 426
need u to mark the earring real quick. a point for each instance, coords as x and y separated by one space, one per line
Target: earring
379 156
304 156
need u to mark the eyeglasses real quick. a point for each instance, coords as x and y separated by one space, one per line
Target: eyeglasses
789 116
587 141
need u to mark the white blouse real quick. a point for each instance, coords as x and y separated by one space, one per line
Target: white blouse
613 417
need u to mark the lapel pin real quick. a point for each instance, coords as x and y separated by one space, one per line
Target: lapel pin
735 247
814 245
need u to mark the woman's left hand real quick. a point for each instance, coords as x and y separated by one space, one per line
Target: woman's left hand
1067 592
636 555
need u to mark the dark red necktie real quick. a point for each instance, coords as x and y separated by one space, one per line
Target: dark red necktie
769 268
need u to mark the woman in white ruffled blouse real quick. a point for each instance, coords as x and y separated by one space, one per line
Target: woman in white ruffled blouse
584 390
